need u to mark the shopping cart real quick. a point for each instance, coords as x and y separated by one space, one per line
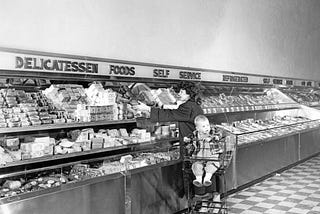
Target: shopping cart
208 199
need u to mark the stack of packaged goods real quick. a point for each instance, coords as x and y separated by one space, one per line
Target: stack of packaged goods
98 96
87 139
20 108
14 149
166 98
166 131
102 105
34 147
66 97
5 157
85 113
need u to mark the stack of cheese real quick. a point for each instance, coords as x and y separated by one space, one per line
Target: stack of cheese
4 157
27 109
35 147
85 113
66 97
98 96
101 105
87 139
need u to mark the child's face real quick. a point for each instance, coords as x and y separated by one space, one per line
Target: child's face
203 127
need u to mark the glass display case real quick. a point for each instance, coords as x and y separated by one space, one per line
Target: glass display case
306 96
225 99
271 130
252 131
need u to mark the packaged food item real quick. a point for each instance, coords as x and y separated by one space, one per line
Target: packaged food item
59 121
123 133
40 146
25 123
97 143
126 159
12 124
46 121
12 185
86 145
36 122
12 143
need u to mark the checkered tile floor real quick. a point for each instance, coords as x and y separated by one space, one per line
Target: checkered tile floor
295 191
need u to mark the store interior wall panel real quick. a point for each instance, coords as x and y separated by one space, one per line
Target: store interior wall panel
158 190
291 150
228 181
105 197
258 160
309 143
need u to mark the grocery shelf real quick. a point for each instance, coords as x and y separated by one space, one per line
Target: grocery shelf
241 109
63 126
80 183
314 105
77 154
243 145
271 128
154 166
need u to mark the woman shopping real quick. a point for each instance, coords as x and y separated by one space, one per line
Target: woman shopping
184 114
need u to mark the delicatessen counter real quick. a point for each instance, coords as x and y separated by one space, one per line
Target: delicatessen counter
85 149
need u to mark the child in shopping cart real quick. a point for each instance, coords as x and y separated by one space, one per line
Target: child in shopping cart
208 149
205 147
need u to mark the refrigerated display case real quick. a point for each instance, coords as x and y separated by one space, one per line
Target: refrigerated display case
305 96
271 130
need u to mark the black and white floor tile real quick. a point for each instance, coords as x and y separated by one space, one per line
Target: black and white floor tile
295 191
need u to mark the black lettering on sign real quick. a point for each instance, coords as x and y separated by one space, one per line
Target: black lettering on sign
19 62
67 66
233 78
46 65
161 73
55 65
190 75
289 82
28 63
75 66
266 80
81 67
278 81
122 70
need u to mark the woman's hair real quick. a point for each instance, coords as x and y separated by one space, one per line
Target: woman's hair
191 88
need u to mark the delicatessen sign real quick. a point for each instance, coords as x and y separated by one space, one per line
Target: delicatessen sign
46 64
81 65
